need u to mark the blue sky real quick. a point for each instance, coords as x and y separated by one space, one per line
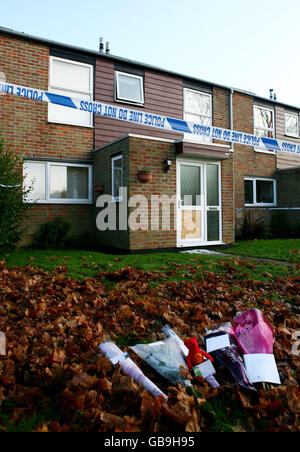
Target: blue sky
248 44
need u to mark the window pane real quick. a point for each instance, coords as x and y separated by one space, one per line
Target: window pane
198 119
118 163
35 174
292 125
264 133
197 109
58 182
117 166
198 103
263 118
129 88
190 185
212 185
68 182
249 192
117 181
264 191
77 182
69 115
213 226
69 75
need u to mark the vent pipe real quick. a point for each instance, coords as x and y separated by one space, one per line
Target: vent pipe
271 94
101 46
108 48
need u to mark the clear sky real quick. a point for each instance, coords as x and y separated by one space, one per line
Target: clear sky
247 44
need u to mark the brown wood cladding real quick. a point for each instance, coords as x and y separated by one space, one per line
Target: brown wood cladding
163 95
285 159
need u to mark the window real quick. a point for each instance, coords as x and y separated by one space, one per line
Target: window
198 109
58 182
129 88
292 124
264 124
73 79
260 191
116 176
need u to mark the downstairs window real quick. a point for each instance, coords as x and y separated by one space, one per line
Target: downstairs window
59 183
260 191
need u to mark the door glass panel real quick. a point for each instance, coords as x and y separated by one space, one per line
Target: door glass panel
190 185
212 185
213 226
191 224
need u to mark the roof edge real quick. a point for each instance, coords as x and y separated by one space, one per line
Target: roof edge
29 37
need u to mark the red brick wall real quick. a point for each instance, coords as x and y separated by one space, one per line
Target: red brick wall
24 123
247 162
102 170
151 154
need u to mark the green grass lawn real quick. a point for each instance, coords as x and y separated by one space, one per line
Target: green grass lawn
80 264
279 249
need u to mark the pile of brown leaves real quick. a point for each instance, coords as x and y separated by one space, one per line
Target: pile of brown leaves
53 325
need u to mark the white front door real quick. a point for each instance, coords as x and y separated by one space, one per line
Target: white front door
199 203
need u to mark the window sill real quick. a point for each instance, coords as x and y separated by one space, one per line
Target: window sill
69 124
264 151
292 136
61 201
260 205
128 102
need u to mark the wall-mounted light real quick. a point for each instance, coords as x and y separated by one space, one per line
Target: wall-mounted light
167 165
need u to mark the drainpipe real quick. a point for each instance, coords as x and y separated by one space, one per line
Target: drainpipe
232 150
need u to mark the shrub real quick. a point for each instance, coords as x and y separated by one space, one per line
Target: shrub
280 227
53 235
252 228
12 207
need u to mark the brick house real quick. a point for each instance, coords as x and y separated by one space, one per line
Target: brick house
74 156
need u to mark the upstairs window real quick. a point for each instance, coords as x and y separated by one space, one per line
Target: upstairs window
260 191
72 79
292 124
264 124
129 88
197 109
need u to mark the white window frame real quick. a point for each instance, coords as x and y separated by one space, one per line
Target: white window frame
113 160
188 136
124 99
66 91
258 149
49 200
260 204
296 115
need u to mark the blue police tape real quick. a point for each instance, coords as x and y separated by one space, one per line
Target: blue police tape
9 186
151 119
